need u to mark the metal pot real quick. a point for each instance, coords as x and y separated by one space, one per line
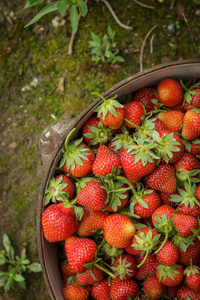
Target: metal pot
53 137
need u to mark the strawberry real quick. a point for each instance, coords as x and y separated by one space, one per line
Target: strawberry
153 288
159 125
170 275
145 202
75 292
192 252
197 193
91 276
173 119
184 224
169 92
191 124
147 268
118 230
169 146
105 160
172 291
192 277
138 161
184 165
66 270
93 195
184 293
168 255
192 97
79 252
166 198
110 112
120 199
59 188
134 112
101 290
124 266
192 147
77 158
95 133
122 289
162 179
58 223
91 221
147 97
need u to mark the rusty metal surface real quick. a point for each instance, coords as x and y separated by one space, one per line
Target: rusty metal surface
53 136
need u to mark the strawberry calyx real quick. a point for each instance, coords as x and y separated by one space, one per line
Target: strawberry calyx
107 105
138 195
164 146
109 252
145 130
165 226
191 270
189 91
54 191
191 176
122 269
99 135
167 271
98 263
145 243
122 140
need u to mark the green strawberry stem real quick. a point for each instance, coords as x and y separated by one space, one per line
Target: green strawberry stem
164 241
104 270
101 96
145 257
156 111
189 182
74 201
120 190
128 182
136 126
111 183
67 138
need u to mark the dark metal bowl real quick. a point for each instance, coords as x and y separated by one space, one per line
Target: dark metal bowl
53 137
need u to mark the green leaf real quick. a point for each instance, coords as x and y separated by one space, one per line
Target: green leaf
35 267
6 243
82 6
120 59
74 18
47 9
18 278
62 7
30 3
8 285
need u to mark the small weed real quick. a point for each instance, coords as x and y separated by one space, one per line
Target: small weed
104 49
16 266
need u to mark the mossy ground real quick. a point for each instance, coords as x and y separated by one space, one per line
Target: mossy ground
31 53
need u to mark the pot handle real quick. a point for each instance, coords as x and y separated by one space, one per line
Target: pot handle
51 139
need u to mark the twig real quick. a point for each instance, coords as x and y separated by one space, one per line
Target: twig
71 42
151 44
172 4
115 17
142 47
144 5
192 37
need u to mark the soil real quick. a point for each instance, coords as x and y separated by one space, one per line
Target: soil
41 83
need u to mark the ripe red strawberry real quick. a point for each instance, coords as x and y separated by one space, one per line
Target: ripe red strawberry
192 98
162 179
169 92
122 289
169 146
170 275
93 195
91 221
120 199
172 291
168 255
173 119
124 266
145 202
190 210
95 133
163 209
105 160
192 147
147 97
159 125
118 230
79 252
184 224
197 193
58 223
60 187
192 277
134 112
91 276
187 163
77 159
153 288
192 252
110 112
66 271
101 290
75 292
191 124
165 198
147 268
135 169
184 292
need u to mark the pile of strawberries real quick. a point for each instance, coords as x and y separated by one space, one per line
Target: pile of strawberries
124 204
